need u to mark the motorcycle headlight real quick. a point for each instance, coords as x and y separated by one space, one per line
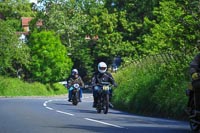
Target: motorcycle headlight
76 86
96 88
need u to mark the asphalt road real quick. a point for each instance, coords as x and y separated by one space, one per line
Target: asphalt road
57 115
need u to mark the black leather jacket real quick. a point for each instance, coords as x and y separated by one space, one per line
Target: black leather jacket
195 64
102 77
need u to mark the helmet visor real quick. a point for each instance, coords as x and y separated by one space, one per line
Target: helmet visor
74 73
102 68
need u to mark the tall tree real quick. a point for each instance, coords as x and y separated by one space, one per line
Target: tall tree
110 42
50 62
14 55
131 14
167 32
67 19
191 22
16 9
12 11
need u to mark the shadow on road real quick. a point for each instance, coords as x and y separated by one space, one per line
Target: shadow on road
128 129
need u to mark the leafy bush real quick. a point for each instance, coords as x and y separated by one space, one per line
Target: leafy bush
14 54
153 86
16 87
50 62
59 88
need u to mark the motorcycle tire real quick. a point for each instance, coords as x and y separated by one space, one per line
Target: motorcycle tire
98 106
98 110
74 100
106 104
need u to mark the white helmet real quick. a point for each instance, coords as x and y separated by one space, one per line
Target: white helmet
102 67
74 71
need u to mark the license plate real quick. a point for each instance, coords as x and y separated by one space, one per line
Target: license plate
105 88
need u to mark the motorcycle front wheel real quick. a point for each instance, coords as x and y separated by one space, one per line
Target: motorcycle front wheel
74 102
99 105
106 104
75 99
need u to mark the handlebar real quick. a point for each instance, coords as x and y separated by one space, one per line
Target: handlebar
101 84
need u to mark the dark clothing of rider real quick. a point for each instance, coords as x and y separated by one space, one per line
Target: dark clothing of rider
97 79
195 71
195 65
75 79
102 77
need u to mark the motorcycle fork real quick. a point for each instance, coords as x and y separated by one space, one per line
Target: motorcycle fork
100 101
105 100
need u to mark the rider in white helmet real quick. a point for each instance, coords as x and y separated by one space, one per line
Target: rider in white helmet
101 75
102 67
75 78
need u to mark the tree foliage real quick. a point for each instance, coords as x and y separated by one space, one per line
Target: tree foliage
124 28
16 9
12 11
14 55
167 30
50 62
67 19
173 29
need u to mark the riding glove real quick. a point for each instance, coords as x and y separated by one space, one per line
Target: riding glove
195 76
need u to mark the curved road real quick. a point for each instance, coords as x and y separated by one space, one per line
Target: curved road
57 115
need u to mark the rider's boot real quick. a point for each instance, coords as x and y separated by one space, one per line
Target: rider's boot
95 102
69 96
110 105
80 100
69 100
80 95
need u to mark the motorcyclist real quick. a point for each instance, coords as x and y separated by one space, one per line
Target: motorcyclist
98 77
75 78
195 75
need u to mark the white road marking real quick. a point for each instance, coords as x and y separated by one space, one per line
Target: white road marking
49 108
46 102
105 123
64 112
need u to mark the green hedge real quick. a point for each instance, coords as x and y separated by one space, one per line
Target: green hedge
153 86
17 87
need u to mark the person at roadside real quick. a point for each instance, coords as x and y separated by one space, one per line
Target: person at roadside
75 78
102 76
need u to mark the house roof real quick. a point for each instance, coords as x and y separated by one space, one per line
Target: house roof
26 20
39 23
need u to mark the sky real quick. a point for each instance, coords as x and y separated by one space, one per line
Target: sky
33 1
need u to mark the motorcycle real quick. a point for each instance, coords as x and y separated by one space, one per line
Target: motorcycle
193 114
103 97
75 94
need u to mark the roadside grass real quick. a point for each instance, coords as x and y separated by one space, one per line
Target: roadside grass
16 87
152 88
